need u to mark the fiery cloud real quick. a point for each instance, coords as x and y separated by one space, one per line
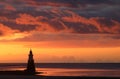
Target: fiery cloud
30 18
82 24
68 30
4 30
101 24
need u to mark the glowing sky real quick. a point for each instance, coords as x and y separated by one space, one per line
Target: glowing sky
60 30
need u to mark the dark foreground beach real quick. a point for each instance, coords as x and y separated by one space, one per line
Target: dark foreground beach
62 71
51 77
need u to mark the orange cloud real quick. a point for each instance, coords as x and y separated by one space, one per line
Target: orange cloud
9 7
48 3
6 19
3 18
5 30
73 23
61 40
31 20
92 25
101 26
27 19
104 27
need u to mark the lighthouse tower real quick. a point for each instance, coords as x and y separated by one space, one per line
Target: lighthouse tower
30 64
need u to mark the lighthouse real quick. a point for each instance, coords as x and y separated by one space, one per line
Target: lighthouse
30 64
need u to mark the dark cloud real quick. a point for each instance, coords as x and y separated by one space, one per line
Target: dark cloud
64 16
5 30
37 37
71 3
71 40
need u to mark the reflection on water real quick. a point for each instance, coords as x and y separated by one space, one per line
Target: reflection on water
72 71
79 72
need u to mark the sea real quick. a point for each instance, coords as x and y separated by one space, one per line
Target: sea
69 69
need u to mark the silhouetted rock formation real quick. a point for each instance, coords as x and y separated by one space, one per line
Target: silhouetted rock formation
30 64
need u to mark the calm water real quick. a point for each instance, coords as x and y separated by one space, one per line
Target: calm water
111 70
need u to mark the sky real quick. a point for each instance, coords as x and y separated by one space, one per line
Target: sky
60 31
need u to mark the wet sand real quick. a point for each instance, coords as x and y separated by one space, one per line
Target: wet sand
26 75
51 77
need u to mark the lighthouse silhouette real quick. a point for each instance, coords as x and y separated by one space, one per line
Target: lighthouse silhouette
30 65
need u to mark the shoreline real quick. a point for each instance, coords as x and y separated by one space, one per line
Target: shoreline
52 77
18 72
25 75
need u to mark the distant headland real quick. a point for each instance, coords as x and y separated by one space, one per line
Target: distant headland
30 69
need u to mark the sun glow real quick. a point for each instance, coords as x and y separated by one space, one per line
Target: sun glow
14 36
13 52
